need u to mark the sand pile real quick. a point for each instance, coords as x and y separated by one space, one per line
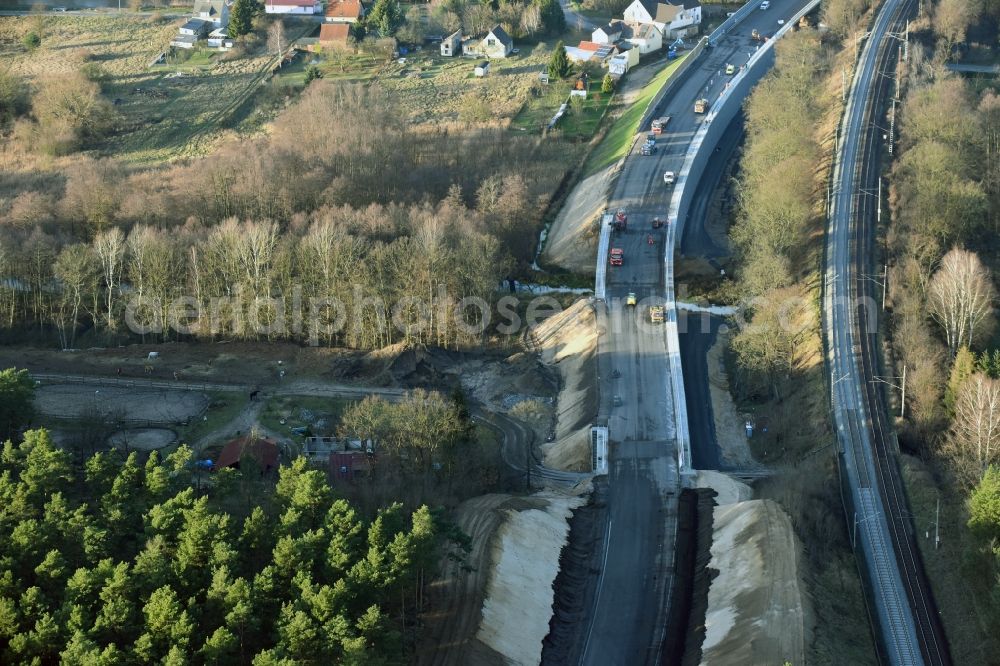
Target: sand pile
568 342
757 610
519 594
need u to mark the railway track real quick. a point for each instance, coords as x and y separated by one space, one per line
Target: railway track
874 475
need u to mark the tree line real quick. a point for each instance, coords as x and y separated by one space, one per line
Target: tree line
122 561
326 207
942 263
777 215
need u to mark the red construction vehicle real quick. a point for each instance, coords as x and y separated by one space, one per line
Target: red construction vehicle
620 222
617 256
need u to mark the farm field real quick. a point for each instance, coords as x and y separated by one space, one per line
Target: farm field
167 111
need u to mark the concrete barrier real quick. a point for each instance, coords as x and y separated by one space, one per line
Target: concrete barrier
721 113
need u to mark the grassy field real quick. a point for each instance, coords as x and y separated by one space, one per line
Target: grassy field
619 137
187 106
223 407
320 414
957 593
581 119
436 89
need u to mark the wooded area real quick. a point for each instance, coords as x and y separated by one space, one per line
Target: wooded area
123 561
942 265
340 202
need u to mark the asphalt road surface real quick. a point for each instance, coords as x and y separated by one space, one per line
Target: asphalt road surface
627 623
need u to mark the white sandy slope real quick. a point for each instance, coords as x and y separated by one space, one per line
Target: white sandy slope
568 342
757 610
519 594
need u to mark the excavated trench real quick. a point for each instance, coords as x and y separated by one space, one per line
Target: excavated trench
580 569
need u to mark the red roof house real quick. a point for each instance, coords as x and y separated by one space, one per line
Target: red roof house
344 11
334 34
263 451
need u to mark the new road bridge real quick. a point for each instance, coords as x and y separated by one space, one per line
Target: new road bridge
640 400
907 626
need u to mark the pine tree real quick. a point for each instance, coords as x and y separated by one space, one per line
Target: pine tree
386 17
553 18
961 370
608 84
559 66
241 17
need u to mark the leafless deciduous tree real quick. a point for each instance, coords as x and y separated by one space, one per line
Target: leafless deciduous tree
276 40
974 439
110 249
960 297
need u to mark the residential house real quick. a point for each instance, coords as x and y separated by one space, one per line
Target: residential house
610 33
589 52
496 44
344 11
262 451
347 465
184 41
293 7
452 44
194 27
219 39
673 20
647 38
215 12
334 35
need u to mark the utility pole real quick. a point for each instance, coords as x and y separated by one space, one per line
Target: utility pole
902 400
892 126
885 283
937 525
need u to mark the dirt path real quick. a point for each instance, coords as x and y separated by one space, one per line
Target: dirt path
457 597
734 450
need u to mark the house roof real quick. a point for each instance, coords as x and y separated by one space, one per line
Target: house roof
588 46
344 464
184 39
210 7
667 13
334 32
645 31
457 33
501 35
344 9
194 24
612 28
691 4
292 3
264 451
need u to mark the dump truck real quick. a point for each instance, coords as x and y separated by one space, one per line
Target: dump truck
701 106
660 124
656 314
620 221
617 256
757 36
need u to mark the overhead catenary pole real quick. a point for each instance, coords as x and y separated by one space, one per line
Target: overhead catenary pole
902 400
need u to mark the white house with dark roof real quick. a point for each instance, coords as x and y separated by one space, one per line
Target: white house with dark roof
673 20
496 44
213 11
293 7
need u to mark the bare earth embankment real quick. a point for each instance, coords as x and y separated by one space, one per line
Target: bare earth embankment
495 607
757 609
568 343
